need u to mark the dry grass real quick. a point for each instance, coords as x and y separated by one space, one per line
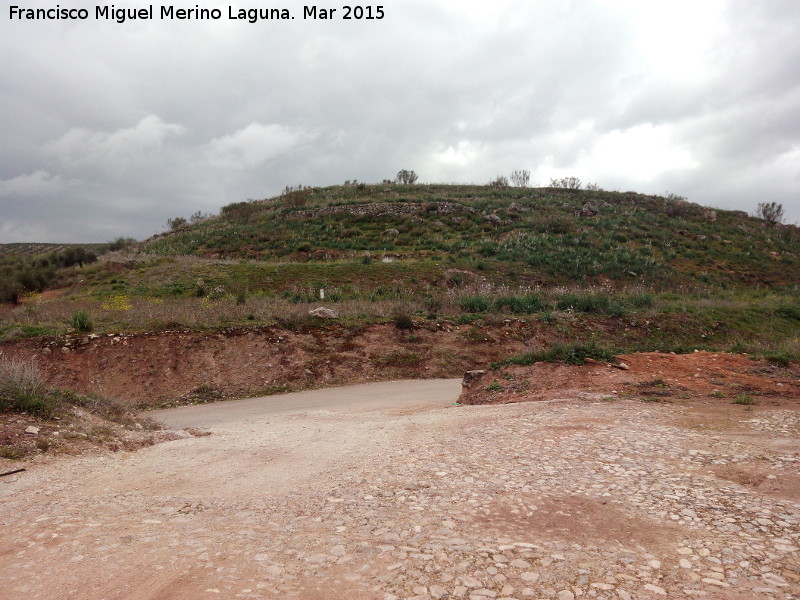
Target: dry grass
18 377
145 314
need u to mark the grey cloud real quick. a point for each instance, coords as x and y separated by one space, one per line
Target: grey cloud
37 183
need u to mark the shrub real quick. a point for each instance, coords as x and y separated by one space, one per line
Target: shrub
521 178
176 223
676 206
771 212
474 304
77 255
403 321
22 389
500 182
295 197
494 386
119 244
406 177
80 321
568 183
745 399
9 290
241 211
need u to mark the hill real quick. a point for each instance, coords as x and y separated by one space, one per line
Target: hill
511 236
643 272
424 280
427 252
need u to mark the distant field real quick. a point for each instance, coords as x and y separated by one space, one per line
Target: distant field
32 249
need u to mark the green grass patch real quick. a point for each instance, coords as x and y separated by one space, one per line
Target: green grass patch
571 354
402 358
494 386
475 304
745 400
526 304
781 358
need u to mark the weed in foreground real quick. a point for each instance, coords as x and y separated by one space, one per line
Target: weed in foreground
80 321
22 389
12 452
745 400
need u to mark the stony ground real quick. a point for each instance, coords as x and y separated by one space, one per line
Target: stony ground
562 499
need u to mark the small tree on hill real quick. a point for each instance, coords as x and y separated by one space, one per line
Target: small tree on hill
198 216
569 183
521 178
771 212
405 177
295 197
500 182
176 223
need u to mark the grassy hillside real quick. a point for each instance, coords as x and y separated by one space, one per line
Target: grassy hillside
513 236
641 272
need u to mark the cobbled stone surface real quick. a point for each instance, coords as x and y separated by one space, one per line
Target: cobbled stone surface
558 500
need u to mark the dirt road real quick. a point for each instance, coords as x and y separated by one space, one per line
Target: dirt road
563 499
373 396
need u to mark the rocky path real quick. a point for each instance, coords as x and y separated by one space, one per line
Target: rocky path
562 499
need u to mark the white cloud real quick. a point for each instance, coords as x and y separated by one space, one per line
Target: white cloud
254 145
461 154
641 153
84 146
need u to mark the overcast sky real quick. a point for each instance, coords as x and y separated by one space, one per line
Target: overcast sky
109 129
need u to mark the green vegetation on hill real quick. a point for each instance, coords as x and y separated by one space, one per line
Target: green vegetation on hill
624 270
515 235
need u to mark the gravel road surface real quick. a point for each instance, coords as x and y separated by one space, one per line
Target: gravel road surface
563 499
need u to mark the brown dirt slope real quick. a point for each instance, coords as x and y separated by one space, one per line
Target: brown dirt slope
652 376
174 367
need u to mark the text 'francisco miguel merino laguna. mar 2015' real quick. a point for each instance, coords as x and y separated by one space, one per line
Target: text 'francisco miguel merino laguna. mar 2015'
172 13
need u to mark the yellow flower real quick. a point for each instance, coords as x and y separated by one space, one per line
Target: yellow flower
120 302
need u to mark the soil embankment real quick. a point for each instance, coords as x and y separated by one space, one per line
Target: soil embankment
178 367
652 376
